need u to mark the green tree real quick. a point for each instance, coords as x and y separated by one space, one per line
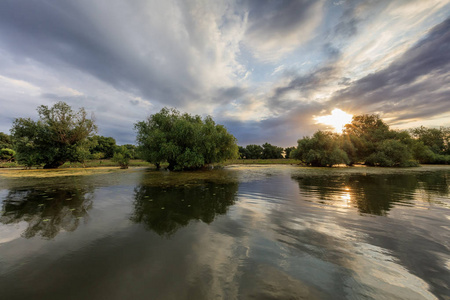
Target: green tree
438 140
58 136
7 154
184 141
5 141
392 153
271 151
365 132
103 144
122 157
320 150
254 151
288 151
243 152
134 153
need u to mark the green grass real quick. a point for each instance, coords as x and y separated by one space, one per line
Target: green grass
8 164
141 163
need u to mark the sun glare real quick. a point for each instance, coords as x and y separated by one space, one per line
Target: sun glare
337 119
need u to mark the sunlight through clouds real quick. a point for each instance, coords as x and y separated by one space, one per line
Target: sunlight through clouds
337 119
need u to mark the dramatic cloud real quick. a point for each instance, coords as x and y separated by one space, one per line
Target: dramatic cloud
263 68
414 86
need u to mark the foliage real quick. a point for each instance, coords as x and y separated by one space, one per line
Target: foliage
7 154
58 136
122 157
184 141
243 153
364 133
271 152
103 144
392 153
133 151
254 151
320 150
287 152
5 141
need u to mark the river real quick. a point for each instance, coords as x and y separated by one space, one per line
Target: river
243 232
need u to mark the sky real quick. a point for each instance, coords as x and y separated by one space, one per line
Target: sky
267 70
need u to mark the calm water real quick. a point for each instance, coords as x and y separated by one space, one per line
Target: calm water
276 232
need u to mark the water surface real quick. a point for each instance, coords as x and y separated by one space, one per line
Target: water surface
259 232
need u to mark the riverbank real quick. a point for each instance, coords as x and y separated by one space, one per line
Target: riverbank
141 163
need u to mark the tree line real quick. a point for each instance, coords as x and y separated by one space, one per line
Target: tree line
187 142
368 140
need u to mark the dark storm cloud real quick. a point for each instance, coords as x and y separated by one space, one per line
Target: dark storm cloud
72 33
415 85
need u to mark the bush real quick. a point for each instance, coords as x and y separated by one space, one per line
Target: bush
320 150
122 157
7 155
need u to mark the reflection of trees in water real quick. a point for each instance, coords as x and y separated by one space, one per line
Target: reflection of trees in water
166 209
373 194
47 210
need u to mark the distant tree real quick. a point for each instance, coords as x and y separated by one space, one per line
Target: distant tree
184 141
103 144
320 150
122 157
58 136
437 140
271 151
243 152
133 151
5 141
254 151
288 151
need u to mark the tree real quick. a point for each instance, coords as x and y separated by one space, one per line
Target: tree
364 133
392 153
184 141
254 151
271 151
7 154
122 157
288 151
438 140
58 136
5 141
103 144
320 150
133 151
243 152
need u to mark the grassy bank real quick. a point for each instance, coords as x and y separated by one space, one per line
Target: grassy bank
140 163
87 164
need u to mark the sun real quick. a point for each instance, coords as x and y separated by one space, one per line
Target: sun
337 119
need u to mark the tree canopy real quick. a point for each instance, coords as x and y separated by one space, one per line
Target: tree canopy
368 140
184 141
320 150
59 135
102 146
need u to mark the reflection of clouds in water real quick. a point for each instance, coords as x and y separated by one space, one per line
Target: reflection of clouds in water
9 233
